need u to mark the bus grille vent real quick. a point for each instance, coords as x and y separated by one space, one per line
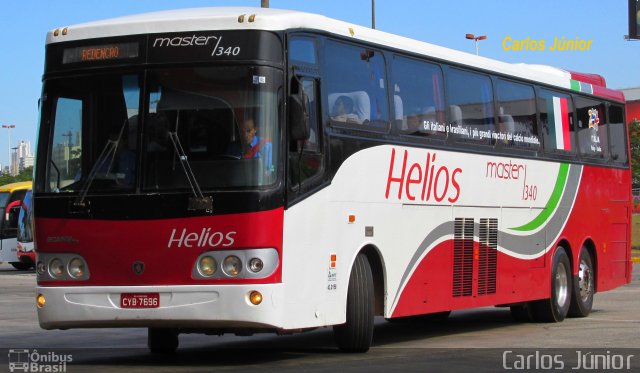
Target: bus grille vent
463 257
488 256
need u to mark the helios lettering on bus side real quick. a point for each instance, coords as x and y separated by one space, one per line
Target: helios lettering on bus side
204 239
424 182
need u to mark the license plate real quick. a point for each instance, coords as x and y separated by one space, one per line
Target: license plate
140 300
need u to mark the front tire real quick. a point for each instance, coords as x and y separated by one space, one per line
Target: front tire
357 333
583 287
162 341
21 266
555 309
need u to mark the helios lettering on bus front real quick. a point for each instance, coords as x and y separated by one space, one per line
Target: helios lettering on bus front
193 41
206 238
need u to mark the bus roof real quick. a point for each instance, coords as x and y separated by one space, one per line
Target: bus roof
15 186
227 18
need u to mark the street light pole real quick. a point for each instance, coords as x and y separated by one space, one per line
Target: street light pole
9 127
373 14
476 39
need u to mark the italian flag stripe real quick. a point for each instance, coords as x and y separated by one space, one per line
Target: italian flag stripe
561 123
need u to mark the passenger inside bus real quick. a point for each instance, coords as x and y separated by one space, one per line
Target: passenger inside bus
351 107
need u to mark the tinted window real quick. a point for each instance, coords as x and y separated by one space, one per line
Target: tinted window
417 98
470 110
516 115
592 129
302 50
617 135
556 120
356 86
25 219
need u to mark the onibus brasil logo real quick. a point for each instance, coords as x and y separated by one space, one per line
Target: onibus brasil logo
25 360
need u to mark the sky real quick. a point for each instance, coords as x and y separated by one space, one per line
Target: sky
441 22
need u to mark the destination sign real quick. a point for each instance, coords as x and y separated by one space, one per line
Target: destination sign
98 53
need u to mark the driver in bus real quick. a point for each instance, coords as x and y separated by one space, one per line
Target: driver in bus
255 146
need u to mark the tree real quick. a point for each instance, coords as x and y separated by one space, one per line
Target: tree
24 175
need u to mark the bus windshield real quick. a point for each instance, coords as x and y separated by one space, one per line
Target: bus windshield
219 124
4 198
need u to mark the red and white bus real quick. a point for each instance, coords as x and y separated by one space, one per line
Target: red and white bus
259 170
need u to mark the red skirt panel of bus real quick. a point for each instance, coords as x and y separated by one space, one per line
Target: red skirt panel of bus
167 248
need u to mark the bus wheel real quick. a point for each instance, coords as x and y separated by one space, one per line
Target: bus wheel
555 309
583 288
20 266
357 333
162 341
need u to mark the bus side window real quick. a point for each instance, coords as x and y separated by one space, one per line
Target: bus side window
592 130
556 121
470 106
419 105
516 115
617 135
356 86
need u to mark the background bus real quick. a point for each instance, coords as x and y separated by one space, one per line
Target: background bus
25 246
11 196
257 170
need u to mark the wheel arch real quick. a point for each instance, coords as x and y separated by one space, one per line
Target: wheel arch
379 275
590 246
564 243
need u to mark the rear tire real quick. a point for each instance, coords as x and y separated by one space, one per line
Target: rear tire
162 341
555 309
357 333
583 287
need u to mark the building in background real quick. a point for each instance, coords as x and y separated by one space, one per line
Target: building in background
21 158
632 96
25 157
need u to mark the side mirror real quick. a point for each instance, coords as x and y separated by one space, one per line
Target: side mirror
298 118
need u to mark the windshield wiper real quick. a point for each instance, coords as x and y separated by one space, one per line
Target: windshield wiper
199 201
108 153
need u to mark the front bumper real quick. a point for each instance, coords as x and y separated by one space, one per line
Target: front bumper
184 306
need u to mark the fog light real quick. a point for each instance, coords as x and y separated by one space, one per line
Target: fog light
40 301
256 265
76 268
56 268
207 266
232 265
255 298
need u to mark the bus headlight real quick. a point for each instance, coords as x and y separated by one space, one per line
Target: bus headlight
56 268
256 265
232 265
207 266
237 264
41 268
76 268
62 266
